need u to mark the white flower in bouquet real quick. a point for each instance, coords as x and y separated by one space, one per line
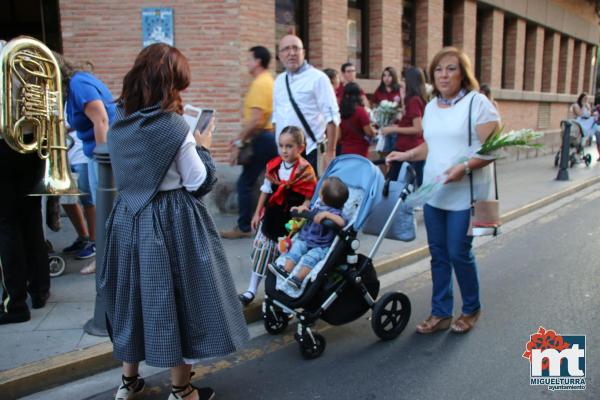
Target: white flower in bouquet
386 113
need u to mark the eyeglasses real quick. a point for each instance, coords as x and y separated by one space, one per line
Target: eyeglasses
349 70
290 49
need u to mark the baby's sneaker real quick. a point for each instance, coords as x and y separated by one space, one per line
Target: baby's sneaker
130 387
294 282
278 270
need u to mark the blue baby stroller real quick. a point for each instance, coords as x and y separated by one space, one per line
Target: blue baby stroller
343 286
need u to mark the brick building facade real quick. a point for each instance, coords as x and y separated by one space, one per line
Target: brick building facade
535 54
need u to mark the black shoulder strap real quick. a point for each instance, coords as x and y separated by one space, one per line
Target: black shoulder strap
307 129
493 166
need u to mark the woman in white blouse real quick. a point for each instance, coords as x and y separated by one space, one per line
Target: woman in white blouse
447 214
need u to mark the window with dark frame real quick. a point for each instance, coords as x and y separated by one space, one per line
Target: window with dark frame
409 43
448 14
36 18
479 43
357 36
291 17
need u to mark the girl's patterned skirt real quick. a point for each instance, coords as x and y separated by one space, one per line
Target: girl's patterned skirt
264 251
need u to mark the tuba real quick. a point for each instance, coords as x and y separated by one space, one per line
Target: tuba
31 104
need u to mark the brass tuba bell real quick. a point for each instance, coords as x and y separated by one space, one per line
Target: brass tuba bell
31 104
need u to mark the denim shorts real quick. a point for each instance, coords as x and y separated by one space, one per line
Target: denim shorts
301 254
83 183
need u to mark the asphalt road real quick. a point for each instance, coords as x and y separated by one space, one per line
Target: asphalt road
544 273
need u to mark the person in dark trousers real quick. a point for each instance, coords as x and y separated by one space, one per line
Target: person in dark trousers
257 132
24 265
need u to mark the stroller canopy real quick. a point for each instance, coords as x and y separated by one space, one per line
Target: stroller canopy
359 174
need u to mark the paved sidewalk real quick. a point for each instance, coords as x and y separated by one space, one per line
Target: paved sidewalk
57 328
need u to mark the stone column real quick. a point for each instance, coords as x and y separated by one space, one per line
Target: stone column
588 71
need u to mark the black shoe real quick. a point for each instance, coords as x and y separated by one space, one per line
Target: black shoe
39 301
245 300
295 282
278 270
13 318
206 393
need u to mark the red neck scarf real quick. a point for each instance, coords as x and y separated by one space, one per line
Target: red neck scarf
302 180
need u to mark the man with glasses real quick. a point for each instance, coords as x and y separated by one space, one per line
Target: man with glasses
349 75
303 97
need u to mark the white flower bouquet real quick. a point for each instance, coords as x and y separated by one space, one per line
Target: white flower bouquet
385 113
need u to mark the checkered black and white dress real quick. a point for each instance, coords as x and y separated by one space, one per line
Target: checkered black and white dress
169 291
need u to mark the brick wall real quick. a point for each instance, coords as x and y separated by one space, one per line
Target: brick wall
550 61
565 66
108 33
464 26
514 53
327 33
385 23
215 36
429 30
492 27
534 50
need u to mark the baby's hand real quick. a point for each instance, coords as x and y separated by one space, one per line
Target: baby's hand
320 217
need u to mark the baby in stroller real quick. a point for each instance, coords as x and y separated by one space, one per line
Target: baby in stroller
315 238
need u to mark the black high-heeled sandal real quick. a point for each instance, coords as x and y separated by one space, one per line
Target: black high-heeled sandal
130 387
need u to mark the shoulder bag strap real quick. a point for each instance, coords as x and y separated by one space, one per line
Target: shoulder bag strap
307 129
493 166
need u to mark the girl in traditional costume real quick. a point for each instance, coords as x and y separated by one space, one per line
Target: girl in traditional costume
289 182
169 293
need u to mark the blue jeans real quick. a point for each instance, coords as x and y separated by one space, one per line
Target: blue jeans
450 248
263 150
83 183
92 170
301 254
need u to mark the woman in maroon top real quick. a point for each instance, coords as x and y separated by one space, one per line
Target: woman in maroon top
389 89
409 129
356 129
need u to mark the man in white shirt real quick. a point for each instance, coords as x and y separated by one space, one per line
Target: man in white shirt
315 98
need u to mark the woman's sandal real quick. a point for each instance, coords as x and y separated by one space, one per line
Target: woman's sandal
465 323
130 387
430 326
181 392
245 300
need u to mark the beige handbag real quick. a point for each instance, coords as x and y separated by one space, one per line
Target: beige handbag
485 214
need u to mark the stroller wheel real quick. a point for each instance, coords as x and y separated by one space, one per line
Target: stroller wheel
309 349
556 159
275 319
587 159
57 265
390 315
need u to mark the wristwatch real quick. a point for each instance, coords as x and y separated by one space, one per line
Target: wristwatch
467 169
238 143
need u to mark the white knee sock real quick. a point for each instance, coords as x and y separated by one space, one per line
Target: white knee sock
254 282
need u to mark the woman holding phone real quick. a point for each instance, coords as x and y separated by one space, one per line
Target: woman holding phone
170 297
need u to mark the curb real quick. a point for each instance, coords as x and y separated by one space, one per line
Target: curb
63 368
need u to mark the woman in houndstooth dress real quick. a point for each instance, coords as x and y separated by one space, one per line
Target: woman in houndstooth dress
170 296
